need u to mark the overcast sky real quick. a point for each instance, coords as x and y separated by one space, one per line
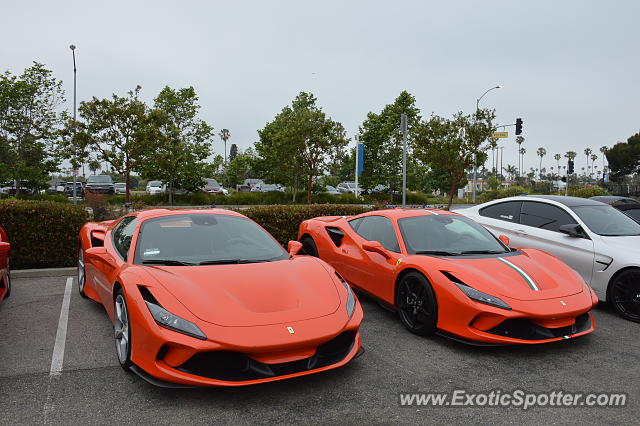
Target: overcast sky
570 69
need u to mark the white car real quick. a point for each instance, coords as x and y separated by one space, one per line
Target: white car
154 187
120 188
598 241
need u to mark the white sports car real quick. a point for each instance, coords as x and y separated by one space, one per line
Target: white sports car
598 241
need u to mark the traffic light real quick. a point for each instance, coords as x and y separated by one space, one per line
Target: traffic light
570 169
518 126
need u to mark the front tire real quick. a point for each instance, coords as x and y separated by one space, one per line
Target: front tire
309 247
122 330
82 276
8 283
417 305
624 294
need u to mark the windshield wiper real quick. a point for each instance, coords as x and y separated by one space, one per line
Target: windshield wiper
439 252
167 262
231 261
483 251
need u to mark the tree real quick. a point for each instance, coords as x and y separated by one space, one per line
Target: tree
557 157
241 167
588 152
225 135
511 171
382 139
29 125
178 141
299 143
624 157
94 166
116 131
455 144
520 141
603 151
233 152
541 153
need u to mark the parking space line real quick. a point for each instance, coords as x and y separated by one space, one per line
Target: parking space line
61 336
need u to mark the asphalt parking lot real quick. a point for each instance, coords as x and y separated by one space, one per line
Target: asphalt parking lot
91 388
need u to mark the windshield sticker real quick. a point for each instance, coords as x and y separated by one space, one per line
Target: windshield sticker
183 223
152 252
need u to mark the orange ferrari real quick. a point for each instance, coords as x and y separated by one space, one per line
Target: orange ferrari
444 273
209 298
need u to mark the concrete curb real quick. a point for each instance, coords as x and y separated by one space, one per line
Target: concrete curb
44 272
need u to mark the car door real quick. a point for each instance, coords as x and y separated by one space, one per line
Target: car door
539 224
372 271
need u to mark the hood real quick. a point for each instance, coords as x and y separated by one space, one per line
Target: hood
527 275
252 294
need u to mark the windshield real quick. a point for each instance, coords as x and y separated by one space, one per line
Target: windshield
121 185
447 235
204 238
607 221
155 183
211 182
99 179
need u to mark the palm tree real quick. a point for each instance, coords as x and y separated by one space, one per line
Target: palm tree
225 135
588 152
519 141
493 143
603 151
557 157
594 157
511 171
522 152
541 153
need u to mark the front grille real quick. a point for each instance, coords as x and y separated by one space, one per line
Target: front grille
235 366
524 329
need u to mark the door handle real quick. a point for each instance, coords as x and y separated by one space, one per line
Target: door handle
520 232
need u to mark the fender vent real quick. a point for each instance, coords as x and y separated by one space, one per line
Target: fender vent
147 296
335 234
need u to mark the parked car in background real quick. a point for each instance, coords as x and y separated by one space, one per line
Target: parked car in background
60 187
10 188
100 184
120 188
154 187
243 188
348 188
598 241
253 182
68 189
5 276
331 190
630 209
615 200
211 186
267 187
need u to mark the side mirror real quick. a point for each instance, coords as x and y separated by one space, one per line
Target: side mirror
573 230
294 247
505 240
375 247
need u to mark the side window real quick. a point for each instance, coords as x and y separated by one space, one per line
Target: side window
355 223
122 235
508 211
378 228
544 216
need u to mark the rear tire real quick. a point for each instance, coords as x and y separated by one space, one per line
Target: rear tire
82 276
624 294
309 247
416 304
8 283
122 330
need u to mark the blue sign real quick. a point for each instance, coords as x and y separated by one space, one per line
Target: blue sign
360 165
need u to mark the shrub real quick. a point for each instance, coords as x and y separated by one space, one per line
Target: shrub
587 191
283 221
43 234
58 198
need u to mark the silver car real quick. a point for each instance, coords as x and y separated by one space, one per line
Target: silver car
598 241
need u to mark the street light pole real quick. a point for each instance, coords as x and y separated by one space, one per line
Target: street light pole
73 53
475 155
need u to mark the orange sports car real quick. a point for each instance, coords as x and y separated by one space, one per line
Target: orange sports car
444 273
209 298
5 276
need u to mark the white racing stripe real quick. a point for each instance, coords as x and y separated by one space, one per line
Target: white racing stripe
61 336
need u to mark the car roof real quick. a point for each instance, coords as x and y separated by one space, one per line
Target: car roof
624 207
399 213
150 213
566 200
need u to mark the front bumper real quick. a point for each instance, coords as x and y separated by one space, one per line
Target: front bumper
530 322
242 356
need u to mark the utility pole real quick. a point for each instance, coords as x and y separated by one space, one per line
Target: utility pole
75 173
403 127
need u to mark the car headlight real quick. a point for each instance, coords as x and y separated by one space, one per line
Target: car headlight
351 299
481 297
173 322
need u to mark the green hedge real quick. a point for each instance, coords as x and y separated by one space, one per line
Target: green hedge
43 234
283 221
60 198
